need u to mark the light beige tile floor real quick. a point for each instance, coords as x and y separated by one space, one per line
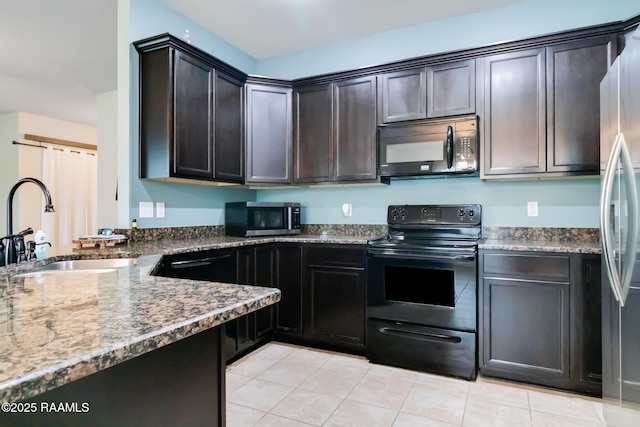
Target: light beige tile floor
285 385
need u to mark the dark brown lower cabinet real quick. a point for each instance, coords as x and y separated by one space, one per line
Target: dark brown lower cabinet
272 265
323 292
526 330
334 295
587 326
255 267
288 278
539 319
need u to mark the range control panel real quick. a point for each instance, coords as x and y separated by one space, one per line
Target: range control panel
434 214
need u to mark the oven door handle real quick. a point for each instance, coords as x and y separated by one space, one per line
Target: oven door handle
466 257
420 335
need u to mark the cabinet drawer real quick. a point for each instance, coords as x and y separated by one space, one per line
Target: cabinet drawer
335 255
530 265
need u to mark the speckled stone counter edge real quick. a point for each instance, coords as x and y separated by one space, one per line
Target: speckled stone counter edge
540 234
151 234
538 239
41 381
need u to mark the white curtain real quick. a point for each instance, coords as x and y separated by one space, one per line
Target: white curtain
71 176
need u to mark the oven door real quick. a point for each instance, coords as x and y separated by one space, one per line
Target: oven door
429 290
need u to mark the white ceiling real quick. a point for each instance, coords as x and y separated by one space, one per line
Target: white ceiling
265 28
58 55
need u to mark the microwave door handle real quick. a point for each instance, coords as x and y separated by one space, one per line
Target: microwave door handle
449 147
289 218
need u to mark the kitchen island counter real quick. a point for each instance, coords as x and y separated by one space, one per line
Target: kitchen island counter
58 328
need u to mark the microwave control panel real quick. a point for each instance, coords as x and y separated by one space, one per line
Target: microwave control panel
295 217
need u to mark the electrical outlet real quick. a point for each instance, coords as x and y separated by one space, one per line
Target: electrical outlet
347 209
146 210
160 209
532 208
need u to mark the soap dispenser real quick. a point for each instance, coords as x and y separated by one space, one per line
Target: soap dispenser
41 245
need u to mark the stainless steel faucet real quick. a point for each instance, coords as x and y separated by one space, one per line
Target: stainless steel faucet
15 243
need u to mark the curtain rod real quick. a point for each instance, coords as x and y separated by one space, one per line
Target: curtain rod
45 147
56 141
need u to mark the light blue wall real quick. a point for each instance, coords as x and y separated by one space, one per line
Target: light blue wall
562 203
517 21
151 17
186 204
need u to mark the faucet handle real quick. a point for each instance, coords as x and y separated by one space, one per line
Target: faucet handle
25 232
31 250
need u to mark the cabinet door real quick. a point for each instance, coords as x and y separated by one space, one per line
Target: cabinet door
574 72
245 266
525 330
228 135
289 281
513 127
402 95
586 326
268 134
355 129
192 120
335 304
313 138
264 276
451 89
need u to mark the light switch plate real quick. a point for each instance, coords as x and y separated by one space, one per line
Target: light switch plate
532 208
160 209
146 210
346 209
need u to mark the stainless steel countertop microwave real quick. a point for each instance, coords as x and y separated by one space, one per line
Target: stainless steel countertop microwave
429 147
247 219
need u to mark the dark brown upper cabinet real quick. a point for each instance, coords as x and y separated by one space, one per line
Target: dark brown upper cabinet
335 131
574 73
268 134
451 89
402 95
354 139
440 90
512 120
313 133
190 114
228 131
540 113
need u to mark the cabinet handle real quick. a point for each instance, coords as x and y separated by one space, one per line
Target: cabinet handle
449 147
420 335
197 262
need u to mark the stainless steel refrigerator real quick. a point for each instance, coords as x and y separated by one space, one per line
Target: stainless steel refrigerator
619 221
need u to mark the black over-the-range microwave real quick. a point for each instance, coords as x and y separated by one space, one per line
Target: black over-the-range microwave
429 147
247 219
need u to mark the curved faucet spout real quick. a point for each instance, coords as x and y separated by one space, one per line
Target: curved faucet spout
48 203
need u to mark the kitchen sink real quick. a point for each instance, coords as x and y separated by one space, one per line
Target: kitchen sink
81 266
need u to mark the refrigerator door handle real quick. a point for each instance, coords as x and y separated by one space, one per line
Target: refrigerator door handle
631 247
605 218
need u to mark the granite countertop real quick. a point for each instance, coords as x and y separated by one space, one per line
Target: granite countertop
59 328
540 246
566 240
